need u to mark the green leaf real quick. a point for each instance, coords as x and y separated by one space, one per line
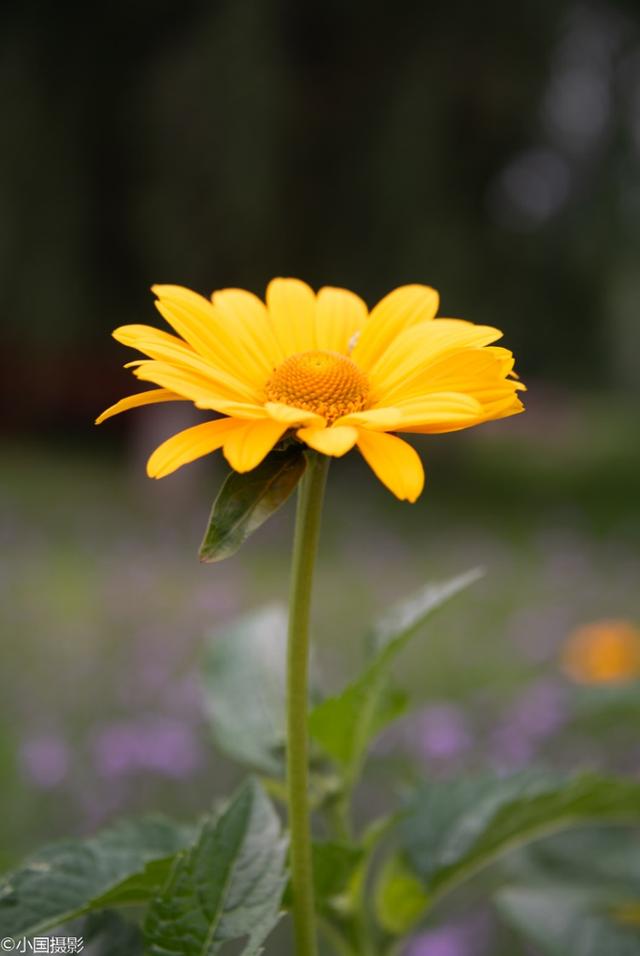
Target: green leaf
245 501
334 864
400 623
400 898
562 920
592 858
69 878
140 887
111 935
244 684
345 724
454 828
577 892
227 886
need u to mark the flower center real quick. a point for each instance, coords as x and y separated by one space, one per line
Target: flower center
326 383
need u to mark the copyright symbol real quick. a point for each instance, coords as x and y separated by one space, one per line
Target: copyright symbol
8 945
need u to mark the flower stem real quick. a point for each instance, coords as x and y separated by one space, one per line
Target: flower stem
305 546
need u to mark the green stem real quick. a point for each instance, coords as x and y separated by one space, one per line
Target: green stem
305 546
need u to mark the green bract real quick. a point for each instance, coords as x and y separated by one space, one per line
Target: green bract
246 501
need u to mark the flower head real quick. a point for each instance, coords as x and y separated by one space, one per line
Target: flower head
603 652
321 369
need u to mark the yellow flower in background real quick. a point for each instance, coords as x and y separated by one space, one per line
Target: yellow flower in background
319 367
602 652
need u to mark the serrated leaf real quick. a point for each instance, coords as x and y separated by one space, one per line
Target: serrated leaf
244 688
228 886
345 724
400 898
140 887
454 828
72 877
561 920
247 500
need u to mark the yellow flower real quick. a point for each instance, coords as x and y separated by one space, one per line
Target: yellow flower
321 368
603 652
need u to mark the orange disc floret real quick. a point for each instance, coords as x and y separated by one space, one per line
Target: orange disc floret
326 383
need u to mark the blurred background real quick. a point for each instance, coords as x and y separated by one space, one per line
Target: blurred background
491 150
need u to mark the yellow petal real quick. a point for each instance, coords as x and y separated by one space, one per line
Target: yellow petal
439 408
510 406
142 398
209 332
483 375
167 348
471 370
396 463
379 419
185 382
245 447
403 369
339 314
398 311
190 444
336 441
292 309
293 416
247 315
246 410
191 315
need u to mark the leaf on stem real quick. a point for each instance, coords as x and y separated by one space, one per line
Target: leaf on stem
244 686
345 724
247 500
400 898
72 877
110 934
577 892
455 828
334 865
559 919
228 886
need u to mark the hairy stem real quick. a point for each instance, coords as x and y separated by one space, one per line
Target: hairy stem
305 546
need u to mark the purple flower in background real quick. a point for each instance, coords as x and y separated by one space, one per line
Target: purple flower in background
469 937
447 941
157 745
537 714
442 732
510 748
540 710
45 760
